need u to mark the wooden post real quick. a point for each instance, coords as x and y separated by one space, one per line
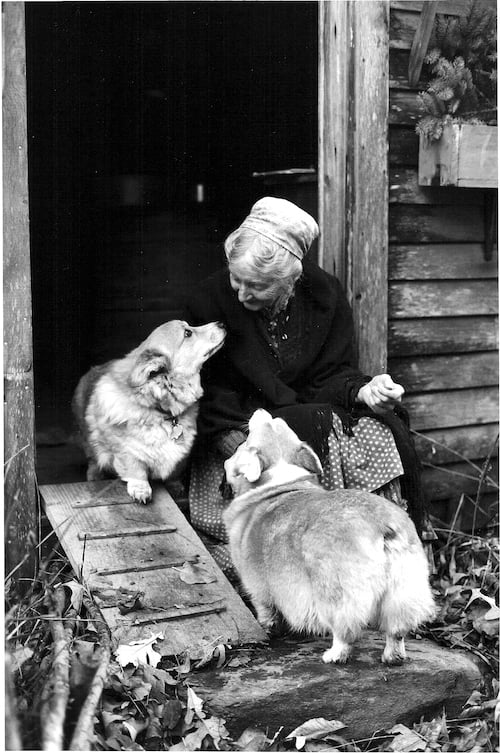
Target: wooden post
333 105
352 171
19 472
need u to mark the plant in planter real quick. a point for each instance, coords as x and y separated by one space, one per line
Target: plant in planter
458 145
463 64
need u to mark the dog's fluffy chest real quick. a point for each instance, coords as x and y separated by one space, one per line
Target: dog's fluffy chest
149 435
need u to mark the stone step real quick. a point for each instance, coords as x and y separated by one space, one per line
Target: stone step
286 683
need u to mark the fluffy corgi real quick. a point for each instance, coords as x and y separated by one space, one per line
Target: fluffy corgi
137 414
326 560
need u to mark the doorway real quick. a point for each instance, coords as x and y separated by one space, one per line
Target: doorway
146 125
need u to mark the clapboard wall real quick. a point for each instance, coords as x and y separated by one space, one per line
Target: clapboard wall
443 305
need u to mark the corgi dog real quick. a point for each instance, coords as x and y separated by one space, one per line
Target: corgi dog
137 415
327 561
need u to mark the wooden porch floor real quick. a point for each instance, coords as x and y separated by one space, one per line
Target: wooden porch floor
147 569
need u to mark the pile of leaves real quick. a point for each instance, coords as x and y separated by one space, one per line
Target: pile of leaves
147 702
462 60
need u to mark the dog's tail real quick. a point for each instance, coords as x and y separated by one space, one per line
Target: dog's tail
408 600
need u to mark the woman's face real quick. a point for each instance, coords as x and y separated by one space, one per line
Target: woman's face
254 291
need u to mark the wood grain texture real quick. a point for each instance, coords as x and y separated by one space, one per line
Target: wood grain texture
368 245
438 410
441 261
421 41
404 188
449 7
441 446
352 175
414 337
450 481
445 372
431 224
405 17
466 155
20 492
409 300
333 102
403 146
404 107
116 569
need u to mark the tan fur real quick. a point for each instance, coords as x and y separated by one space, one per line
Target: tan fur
137 415
328 561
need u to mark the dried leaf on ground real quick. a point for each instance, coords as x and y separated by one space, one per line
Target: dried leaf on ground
192 574
139 652
253 739
314 729
77 590
405 740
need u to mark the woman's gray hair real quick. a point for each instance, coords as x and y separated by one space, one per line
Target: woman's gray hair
268 259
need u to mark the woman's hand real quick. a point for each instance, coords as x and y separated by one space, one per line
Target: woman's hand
381 393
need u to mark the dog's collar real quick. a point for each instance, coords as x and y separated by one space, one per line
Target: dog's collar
176 430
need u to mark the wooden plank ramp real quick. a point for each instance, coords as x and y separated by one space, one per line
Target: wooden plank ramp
149 560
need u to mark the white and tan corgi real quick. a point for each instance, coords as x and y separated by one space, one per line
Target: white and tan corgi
328 561
137 414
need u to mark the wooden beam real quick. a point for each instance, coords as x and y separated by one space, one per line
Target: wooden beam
421 41
368 244
352 172
333 99
20 492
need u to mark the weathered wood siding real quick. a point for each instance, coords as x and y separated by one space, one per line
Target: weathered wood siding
443 303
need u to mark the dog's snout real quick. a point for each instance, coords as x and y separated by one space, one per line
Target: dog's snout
259 419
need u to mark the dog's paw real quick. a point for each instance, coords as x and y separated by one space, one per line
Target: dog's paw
337 655
139 490
393 660
394 651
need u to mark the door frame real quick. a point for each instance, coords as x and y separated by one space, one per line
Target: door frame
353 214
353 183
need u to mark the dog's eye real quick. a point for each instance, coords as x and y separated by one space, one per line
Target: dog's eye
157 372
188 333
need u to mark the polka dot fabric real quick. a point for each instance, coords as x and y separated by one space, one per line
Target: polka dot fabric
366 460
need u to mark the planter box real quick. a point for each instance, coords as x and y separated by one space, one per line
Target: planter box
465 156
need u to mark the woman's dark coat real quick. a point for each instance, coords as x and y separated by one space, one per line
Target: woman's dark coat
244 374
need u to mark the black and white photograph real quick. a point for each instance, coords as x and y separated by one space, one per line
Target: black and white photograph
250 321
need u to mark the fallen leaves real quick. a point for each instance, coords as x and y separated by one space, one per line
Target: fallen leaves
192 573
314 729
139 652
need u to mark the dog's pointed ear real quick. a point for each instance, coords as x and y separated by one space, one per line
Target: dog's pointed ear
306 458
249 464
147 364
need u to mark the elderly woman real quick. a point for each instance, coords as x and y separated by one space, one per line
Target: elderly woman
289 349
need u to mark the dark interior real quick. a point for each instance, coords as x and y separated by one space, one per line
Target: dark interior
146 123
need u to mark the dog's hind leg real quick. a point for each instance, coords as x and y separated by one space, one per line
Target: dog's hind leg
394 651
266 614
339 652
